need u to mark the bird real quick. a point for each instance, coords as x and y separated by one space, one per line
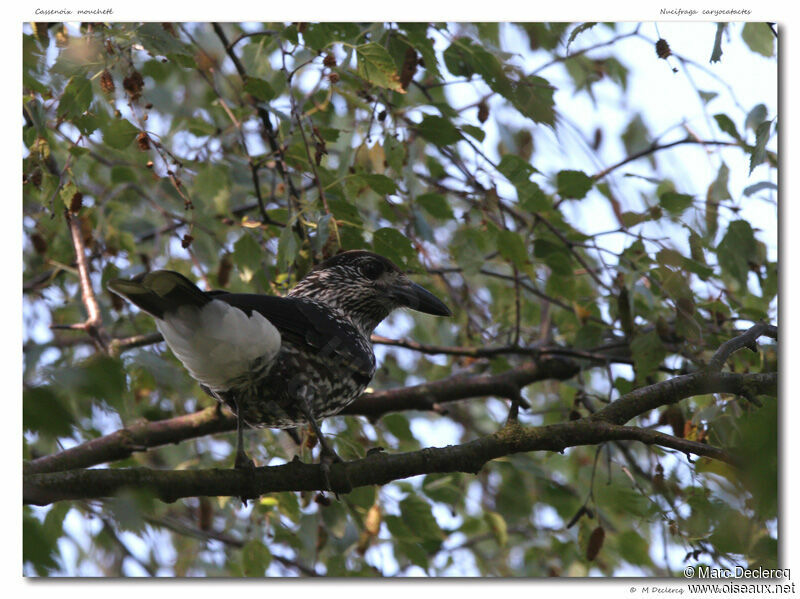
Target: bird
281 362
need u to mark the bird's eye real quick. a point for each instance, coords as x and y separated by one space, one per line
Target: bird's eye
372 270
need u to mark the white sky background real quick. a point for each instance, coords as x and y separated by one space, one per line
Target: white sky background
664 98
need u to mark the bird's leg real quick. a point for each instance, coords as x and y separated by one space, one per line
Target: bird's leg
327 455
243 462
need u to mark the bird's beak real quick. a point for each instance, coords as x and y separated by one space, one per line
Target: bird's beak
409 294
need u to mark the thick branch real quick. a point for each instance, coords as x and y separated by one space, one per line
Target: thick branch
677 388
143 435
427 396
375 469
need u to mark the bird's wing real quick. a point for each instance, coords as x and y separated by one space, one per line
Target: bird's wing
305 323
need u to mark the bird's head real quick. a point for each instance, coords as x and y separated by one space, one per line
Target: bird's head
366 287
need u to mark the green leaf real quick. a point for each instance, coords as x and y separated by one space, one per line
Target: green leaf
573 184
438 130
323 233
726 124
417 516
469 247
648 352
99 377
759 38
380 184
531 197
119 133
256 558
716 52
758 448
735 250
38 548
512 247
533 97
633 548
159 41
675 203
458 58
731 534
473 131
259 88
755 117
44 411
330 134
247 256
397 425
67 192
515 169
759 153
395 151
288 247
716 194
335 519
417 35
183 60
636 136
76 98
698 268
363 497
395 246
345 211
436 205
319 35
200 127
578 30
706 97
375 65
555 255
498 526
414 553
444 488
211 187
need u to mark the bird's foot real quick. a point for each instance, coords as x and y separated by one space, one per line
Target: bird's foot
327 458
243 462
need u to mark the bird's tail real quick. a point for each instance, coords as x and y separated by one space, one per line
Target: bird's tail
160 292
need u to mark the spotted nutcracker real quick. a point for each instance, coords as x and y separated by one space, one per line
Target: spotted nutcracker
281 362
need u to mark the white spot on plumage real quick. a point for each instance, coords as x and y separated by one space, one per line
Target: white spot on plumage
218 342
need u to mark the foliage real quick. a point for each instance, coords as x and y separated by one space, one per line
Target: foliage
241 155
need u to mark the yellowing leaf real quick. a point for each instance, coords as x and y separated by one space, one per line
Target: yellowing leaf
376 66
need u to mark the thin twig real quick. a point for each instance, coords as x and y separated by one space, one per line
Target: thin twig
94 321
655 147
746 339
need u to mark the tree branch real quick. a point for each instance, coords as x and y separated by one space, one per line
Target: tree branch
677 388
94 321
374 469
143 435
655 147
746 339
45 481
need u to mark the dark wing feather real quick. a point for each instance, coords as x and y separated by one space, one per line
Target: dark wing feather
305 323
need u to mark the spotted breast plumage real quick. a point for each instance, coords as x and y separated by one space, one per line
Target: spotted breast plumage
279 362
